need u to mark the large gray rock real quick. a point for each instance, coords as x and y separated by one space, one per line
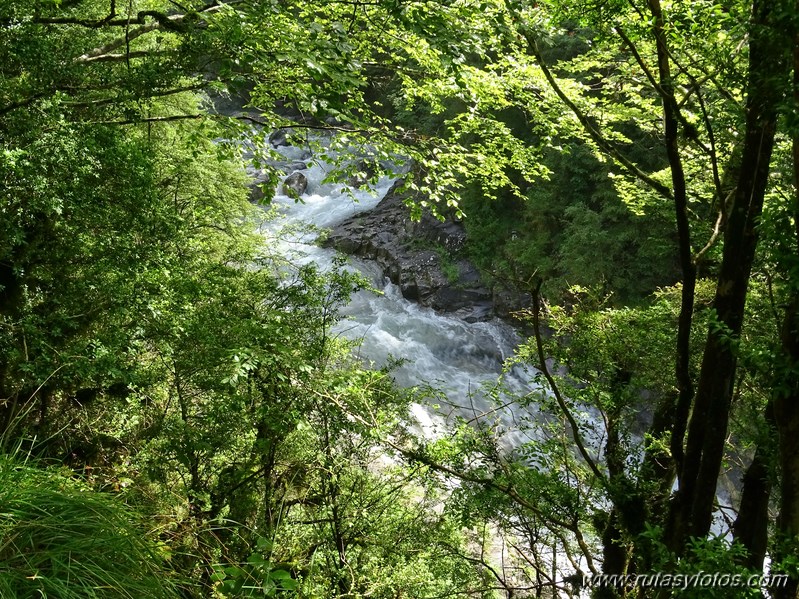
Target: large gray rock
294 166
417 256
295 184
279 138
257 195
260 182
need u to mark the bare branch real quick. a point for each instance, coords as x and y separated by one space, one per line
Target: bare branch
647 71
716 231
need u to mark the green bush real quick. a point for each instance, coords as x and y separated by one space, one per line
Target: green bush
576 228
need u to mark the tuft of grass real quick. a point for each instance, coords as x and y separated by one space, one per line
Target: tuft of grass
62 540
448 266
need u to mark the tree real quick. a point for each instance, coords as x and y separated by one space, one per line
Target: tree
717 111
121 279
92 90
150 340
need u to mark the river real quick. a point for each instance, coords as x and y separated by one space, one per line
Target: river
457 358
461 360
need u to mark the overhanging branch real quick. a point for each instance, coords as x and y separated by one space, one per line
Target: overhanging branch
154 119
553 385
162 21
607 147
114 100
122 57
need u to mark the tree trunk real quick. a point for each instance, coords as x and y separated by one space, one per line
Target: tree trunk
750 529
786 399
786 411
768 72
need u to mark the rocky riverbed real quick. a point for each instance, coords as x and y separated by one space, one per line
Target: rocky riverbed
423 258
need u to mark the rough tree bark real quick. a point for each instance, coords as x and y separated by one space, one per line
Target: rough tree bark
692 508
750 528
786 397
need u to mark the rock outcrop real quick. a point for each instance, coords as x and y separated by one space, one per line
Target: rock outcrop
420 257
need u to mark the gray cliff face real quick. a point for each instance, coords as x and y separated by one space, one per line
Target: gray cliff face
416 256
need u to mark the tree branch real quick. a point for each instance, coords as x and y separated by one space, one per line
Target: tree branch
553 385
122 57
114 100
715 235
714 163
682 371
21 103
119 42
595 135
162 22
256 121
112 12
485 482
172 22
688 127
155 119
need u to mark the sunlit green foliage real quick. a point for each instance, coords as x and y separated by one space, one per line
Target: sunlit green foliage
151 340
573 229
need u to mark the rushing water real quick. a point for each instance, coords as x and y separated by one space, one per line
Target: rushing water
460 359
444 352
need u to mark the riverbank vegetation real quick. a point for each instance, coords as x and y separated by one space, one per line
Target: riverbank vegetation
176 418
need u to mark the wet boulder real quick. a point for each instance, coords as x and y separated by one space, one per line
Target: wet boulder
295 166
295 184
261 184
418 257
279 138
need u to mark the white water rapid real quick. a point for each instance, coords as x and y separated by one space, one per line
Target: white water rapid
435 349
442 351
